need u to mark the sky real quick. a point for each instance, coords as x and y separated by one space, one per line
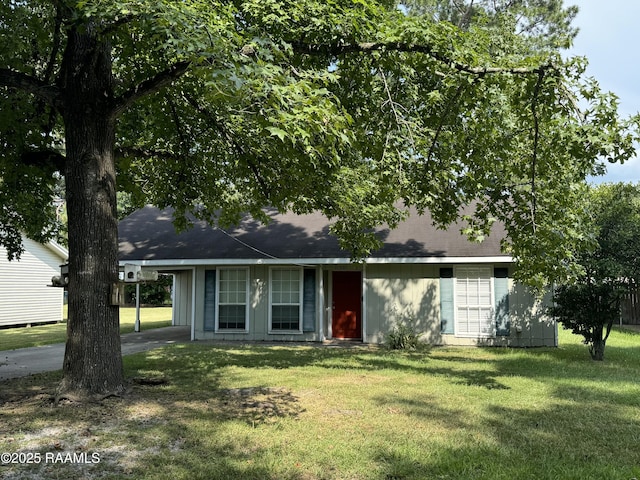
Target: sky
609 37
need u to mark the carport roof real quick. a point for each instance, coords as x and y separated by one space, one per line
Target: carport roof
149 235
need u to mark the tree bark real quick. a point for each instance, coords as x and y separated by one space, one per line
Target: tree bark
597 349
93 360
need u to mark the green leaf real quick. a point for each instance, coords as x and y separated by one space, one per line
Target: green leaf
277 132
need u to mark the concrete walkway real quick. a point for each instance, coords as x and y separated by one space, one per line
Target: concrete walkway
27 361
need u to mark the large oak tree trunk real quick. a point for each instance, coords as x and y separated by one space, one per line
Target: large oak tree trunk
93 362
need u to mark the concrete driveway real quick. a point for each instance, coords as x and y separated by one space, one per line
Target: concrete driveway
27 361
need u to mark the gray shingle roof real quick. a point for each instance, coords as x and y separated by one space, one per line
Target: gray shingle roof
148 234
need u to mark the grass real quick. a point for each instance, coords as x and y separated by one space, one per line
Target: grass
307 412
36 336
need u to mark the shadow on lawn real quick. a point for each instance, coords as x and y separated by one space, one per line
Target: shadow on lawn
581 432
522 443
568 362
508 441
153 432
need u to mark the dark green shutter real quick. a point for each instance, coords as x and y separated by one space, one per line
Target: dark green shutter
309 300
210 300
446 300
501 295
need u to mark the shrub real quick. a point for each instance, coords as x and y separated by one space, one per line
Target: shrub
402 337
588 309
156 293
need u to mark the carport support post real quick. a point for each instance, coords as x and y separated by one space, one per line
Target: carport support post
136 327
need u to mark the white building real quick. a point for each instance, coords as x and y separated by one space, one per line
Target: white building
25 298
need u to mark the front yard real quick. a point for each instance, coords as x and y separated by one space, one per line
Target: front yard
291 412
22 337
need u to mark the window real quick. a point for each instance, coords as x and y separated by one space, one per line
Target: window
226 295
286 299
474 313
233 294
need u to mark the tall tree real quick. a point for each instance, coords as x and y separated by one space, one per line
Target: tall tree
545 23
591 305
218 108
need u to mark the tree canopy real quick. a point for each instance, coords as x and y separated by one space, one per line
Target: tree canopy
350 107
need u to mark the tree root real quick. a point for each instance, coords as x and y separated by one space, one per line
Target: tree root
84 397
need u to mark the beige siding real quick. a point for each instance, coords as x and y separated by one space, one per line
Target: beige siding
258 312
182 295
529 326
393 294
259 302
410 294
401 294
24 295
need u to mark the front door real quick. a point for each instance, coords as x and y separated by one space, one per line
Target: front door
347 305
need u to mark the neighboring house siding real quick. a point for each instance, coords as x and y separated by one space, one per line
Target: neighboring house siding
24 295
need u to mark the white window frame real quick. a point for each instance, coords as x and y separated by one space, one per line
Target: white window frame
482 272
219 270
271 330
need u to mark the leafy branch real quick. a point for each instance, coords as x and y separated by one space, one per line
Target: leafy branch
445 115
57 39
16 80
154 84
228 136
536 139
336 49
146 153
395 106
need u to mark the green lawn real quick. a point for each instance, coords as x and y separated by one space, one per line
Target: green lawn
289 412
10 338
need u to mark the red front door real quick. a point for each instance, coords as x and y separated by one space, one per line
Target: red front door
347 305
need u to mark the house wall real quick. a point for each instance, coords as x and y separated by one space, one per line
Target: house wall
24 295
182 298
392 294
529 326
258 319
410 294
401 294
